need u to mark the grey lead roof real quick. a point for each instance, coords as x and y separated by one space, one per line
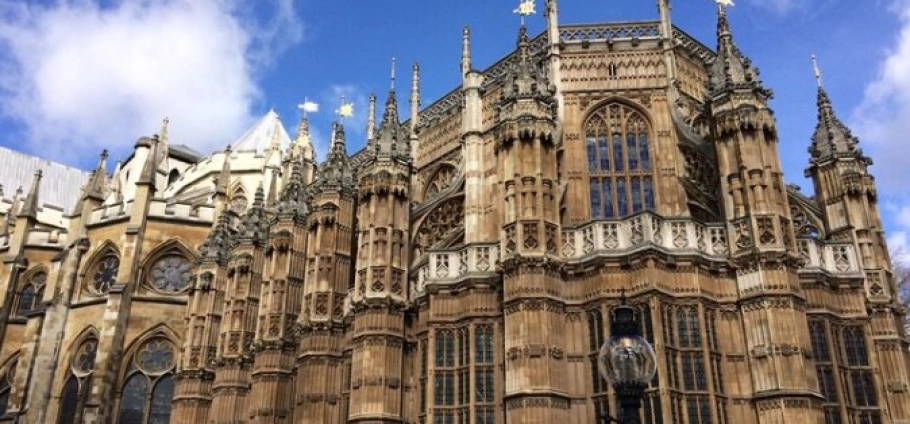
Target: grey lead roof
60 185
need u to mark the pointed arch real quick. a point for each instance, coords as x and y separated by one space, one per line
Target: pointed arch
445 175
238 198
147 377
77 379
168 267
7 376
30 291
618 145
100 271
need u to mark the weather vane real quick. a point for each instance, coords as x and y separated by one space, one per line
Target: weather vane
346 110
818 71
525 8
308 106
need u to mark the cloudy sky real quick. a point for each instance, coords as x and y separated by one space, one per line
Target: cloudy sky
77 76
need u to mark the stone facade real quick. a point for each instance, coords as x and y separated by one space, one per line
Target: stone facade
463 266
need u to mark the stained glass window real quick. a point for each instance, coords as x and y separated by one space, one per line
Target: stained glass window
132 404
445 349
149 389
484 344
69 401
104 274
819 341
170 274
855 346
32 293
619 162
6 382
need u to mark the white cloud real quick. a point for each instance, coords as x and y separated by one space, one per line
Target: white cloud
882 120
80 75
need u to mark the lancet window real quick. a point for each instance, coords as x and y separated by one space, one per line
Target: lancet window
619 162
6 383
484 375
827 383
693 365
858 376
444 378
78 384
149 384
31 294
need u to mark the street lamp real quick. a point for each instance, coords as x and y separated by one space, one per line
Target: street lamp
628 362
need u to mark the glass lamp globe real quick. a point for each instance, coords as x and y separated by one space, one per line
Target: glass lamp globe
627 360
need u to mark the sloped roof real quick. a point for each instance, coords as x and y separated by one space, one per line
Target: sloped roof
262 134
60 185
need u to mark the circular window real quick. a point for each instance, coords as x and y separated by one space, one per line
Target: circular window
155 356
170 274
105 274
84 361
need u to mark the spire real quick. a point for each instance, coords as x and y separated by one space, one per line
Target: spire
254 225
97 185
527 80
149 169
415 97
302 145
832 139
371 118
217 246
292 203
336 172
465 50
732 70
224 177
30 206
390 116
273 190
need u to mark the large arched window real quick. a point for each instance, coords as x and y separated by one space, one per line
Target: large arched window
78 383
149 384
31 294
6 383
619 162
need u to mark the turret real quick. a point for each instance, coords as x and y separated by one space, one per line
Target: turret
529 233
761 241
328 243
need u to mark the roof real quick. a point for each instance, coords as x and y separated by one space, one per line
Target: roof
60 186
185 153
263 134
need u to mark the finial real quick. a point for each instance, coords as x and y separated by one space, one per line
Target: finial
465 50
393 74
817 70
371 118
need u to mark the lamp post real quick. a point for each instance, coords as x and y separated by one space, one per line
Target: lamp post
628 362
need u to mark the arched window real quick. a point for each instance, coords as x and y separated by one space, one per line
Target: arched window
31 294
619 162
103 274
239 202
172 177
78 383
149 386
170 274
6 382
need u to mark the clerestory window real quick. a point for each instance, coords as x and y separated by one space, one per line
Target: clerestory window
619 162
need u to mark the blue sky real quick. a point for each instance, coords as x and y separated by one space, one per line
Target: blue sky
77 76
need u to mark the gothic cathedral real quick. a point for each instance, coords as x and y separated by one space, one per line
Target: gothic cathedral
462 267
